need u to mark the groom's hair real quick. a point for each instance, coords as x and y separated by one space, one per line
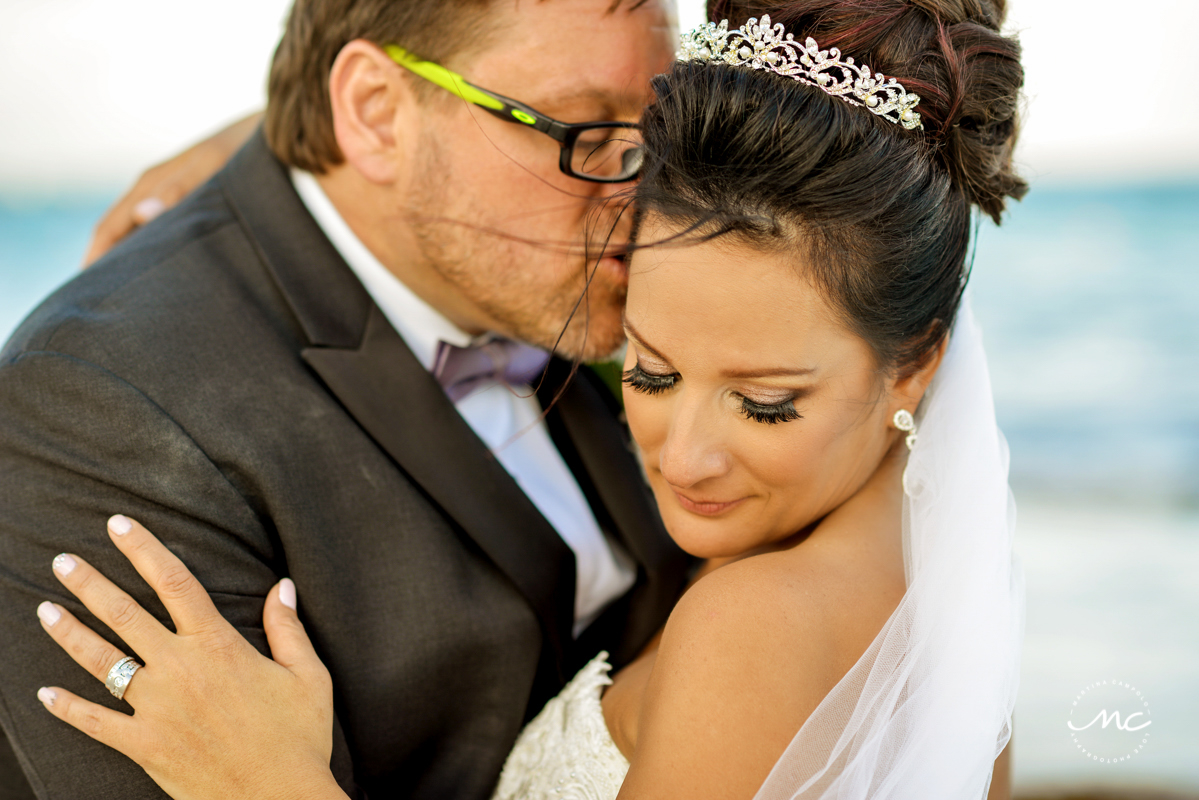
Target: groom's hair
299 119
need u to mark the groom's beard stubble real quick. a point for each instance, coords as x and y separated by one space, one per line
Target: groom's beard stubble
526 270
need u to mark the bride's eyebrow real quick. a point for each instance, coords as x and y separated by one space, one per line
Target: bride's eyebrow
778 372
632 332
772 372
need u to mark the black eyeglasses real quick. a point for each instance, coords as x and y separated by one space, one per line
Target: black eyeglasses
602 152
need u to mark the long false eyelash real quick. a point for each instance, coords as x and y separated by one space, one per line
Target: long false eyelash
771 414
647 382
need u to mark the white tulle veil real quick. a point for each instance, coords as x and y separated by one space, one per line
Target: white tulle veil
927 709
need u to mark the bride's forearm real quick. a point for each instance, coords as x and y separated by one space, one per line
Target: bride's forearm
324 789
1001 778
316 788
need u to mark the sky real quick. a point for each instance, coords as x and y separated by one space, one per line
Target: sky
93 91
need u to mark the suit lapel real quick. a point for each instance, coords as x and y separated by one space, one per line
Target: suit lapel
367 366
406 411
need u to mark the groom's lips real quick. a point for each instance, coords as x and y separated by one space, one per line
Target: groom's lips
614 261
706 507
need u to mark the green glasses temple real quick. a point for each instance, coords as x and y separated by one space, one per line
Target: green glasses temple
503 107
453 82
511 110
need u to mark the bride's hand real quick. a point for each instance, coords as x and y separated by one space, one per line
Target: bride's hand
164 185
213 717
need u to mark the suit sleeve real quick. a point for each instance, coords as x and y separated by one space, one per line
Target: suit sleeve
77 445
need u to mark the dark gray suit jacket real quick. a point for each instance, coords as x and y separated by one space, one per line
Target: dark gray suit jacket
224 378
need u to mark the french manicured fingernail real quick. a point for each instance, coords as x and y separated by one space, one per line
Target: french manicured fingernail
47 696
287 593
148 209
49 614
120 525
64 564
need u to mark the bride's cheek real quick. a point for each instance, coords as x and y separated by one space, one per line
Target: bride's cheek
790 460
649 420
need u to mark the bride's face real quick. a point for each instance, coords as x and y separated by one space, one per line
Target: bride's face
756 411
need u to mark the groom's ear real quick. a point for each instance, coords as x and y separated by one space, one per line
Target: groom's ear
373 107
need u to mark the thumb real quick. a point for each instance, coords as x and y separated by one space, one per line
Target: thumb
290 645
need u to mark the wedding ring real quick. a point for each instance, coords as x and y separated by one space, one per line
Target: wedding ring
120 675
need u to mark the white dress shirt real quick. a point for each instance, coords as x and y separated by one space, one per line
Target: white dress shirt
508 423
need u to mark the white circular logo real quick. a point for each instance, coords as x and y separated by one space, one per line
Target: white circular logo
1109 721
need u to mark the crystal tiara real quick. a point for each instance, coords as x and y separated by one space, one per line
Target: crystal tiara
759 45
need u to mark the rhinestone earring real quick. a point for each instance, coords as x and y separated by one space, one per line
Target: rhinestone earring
906 423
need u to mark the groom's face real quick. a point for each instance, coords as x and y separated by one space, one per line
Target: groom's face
495 216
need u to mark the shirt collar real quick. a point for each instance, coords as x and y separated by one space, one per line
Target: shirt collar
421 326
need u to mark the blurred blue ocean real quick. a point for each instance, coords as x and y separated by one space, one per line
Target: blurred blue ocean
1090 303
1089 299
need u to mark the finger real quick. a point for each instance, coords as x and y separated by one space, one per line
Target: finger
165 196
179 185
117 730
185 598
115 225
148 209
85 647
289 642
110 604
127 214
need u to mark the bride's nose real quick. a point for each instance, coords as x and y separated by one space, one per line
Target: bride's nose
694 449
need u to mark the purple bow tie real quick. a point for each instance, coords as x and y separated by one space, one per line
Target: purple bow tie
463 370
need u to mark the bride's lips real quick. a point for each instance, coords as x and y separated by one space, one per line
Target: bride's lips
704 506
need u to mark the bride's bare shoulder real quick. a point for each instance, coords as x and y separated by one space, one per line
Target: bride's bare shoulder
812 608
747 655
777 617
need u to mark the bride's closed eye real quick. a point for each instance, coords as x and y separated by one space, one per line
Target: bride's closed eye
769 414
648 382
652 383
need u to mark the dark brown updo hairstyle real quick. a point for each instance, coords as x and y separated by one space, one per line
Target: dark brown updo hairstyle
882 214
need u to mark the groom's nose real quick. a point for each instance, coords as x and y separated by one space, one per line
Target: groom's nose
694 449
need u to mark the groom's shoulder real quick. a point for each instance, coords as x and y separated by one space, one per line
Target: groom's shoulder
187 276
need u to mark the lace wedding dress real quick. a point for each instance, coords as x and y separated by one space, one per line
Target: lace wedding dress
566 752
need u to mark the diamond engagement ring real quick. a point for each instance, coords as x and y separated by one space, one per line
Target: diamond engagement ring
120 675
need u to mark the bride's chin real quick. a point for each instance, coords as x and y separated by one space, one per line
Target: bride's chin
709 525
708 538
